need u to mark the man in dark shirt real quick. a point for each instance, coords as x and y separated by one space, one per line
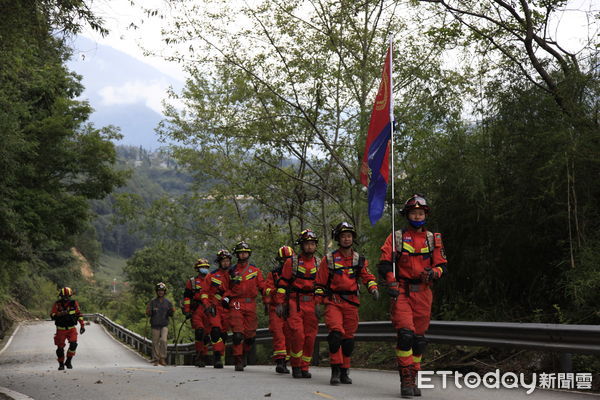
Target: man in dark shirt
159 310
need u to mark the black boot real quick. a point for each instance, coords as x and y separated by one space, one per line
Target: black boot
280 366
239 363
217 363
306 374
416 390
285 368
296 372
199 361
335 375
344 378
61 366
68 363
406 382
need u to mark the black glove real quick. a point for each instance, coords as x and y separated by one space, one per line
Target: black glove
82 330
225 302
211 310
188 315
393 292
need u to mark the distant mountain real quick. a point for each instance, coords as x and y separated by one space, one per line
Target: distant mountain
123 91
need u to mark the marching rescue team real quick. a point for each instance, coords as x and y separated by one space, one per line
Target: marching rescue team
293 294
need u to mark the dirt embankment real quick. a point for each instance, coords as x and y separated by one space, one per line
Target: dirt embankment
11 312
83 264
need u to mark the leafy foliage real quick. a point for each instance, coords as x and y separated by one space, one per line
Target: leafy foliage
52 160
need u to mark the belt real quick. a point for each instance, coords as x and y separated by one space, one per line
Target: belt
244 299
412 285
61 328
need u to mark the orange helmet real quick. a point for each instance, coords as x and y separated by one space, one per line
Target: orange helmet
65 292
283 253
202 263
417 201
307 235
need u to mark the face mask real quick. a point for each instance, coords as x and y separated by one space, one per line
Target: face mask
203 271
416 224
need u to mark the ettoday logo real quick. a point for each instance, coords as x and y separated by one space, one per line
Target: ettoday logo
507 380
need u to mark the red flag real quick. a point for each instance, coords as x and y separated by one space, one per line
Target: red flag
376 157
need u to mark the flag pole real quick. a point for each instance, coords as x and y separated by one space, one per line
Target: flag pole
392 159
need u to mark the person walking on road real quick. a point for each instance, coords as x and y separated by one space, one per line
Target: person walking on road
160 310
212 300
295 300
277 325
340 273
66 314
193 309
420 260
245 283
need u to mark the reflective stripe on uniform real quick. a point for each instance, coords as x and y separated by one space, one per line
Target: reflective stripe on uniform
60 328
403 353
296 355
252 275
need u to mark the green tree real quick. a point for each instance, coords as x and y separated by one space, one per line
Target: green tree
52 161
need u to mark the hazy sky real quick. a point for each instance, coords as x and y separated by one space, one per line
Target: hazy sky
571 29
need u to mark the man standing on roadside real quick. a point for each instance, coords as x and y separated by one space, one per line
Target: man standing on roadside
160 310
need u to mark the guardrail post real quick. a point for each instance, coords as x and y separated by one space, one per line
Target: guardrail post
566 362
316 356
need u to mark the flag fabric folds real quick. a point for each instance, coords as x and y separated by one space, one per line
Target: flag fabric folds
374 171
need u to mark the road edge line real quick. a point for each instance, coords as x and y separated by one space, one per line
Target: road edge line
11 337
14 395
137 353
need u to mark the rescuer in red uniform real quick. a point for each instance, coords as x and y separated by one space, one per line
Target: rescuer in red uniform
212 299
278 325
245 283
337 287
193 309
420 260
66 314
296 300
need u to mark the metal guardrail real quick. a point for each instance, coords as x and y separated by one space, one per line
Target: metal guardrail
546 337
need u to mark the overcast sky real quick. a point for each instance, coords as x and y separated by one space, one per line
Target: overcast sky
571 29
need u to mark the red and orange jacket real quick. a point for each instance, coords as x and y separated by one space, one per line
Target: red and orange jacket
297 276
415 251
192 293
66 314
216 285
245 281
271 285
339 275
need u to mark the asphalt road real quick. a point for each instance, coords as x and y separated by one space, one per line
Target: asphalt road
106 369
